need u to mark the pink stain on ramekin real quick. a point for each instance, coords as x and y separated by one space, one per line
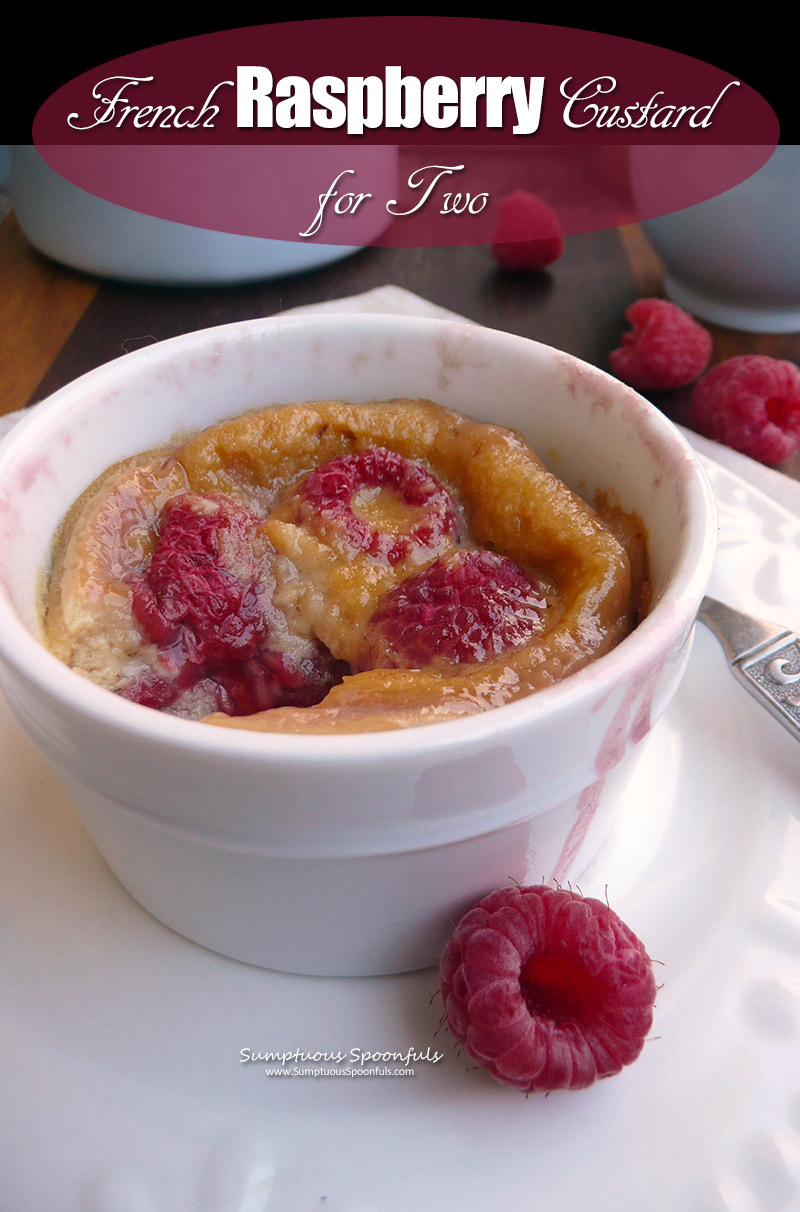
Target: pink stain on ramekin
623 734
32 471
587 808
12 518
607 394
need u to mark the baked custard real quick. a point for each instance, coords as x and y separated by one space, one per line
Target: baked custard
329 567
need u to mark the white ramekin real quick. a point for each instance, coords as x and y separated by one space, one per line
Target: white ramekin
347 855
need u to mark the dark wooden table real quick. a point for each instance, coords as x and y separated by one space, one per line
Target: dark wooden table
56 324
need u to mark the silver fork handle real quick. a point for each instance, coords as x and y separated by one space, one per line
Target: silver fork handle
763 655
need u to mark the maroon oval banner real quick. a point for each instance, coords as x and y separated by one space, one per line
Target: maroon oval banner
403 130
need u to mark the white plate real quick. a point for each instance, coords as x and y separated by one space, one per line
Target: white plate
122 1084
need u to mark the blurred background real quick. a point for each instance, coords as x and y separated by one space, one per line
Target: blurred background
56 321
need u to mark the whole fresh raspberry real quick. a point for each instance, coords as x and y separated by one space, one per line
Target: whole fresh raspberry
467 606
528 234
665 349
751 403
547 989
329 500
205 602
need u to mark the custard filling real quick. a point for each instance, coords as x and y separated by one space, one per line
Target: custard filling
329 567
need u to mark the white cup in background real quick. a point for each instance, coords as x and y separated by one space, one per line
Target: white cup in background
103 238
735 259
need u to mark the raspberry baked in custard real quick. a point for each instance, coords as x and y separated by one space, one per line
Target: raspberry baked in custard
330 567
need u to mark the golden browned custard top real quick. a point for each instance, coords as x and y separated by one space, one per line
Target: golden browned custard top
328 567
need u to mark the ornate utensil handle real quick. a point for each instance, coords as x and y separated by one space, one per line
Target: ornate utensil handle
763 655
775 675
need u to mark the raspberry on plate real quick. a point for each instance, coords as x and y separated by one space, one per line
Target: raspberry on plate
528 234
547 989
752 403
378 502
466 607
665 349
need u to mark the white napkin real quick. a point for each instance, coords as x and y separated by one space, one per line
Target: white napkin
393 300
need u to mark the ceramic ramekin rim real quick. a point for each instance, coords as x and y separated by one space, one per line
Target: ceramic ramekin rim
672 616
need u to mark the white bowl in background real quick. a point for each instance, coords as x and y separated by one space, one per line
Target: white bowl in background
348 854
99 237
734 259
